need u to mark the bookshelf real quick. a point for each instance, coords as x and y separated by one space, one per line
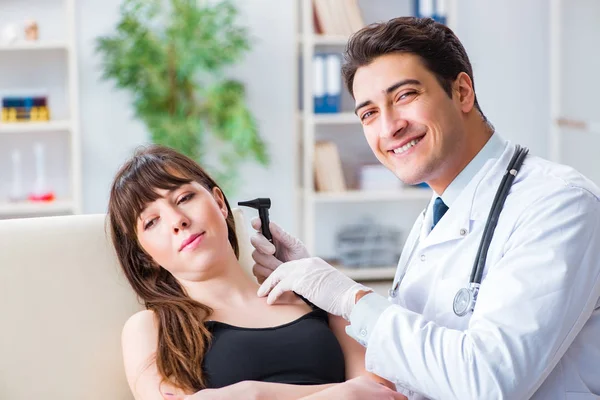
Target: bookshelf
322 213
47 66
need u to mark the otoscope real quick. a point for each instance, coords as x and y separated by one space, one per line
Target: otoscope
262 204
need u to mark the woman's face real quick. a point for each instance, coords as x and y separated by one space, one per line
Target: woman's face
185 232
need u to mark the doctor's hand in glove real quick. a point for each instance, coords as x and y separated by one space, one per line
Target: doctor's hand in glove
268 256
318 282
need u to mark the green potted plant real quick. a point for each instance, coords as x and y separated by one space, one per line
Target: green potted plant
171 55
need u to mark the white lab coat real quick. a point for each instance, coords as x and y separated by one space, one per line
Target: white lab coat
535 331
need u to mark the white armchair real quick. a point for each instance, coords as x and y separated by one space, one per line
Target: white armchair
63 303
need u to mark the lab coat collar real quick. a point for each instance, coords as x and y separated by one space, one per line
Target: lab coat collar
457 222
492 149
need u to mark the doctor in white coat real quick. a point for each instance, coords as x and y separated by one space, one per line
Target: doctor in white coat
534 331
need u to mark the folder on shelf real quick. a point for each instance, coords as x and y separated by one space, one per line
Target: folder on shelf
329 176
435 9
319 84
440 12
424 8
333 83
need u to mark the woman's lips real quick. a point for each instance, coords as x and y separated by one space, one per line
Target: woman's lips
192 242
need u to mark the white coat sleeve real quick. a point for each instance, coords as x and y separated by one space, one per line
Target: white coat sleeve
531 305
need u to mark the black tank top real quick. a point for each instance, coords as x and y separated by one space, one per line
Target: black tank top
302 352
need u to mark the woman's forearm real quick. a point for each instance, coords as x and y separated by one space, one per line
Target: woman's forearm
282 391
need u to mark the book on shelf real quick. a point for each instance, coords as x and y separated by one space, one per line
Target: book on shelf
337 17
329 175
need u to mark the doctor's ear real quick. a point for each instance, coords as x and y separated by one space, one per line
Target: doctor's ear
463 92
220 199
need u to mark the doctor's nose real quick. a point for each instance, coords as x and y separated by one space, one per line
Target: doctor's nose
392 124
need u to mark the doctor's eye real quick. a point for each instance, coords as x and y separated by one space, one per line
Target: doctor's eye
366 115
405 95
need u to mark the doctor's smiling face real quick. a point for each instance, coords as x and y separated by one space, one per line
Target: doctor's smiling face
411 124
412 85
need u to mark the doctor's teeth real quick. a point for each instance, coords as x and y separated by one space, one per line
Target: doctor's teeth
407 146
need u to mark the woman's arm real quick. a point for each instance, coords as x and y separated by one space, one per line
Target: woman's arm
139 342
354 353
253 390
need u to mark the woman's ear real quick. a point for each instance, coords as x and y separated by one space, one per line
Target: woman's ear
220 199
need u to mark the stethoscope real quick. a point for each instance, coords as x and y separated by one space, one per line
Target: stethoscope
465 298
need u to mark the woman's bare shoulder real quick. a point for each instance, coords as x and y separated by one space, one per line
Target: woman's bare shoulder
141 325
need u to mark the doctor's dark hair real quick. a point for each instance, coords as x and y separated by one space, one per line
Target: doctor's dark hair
437 46
182 335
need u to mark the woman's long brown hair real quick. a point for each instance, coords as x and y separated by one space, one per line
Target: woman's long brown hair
182 336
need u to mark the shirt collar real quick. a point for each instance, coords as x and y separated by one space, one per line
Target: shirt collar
492 149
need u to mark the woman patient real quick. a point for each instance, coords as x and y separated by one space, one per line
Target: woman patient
204 326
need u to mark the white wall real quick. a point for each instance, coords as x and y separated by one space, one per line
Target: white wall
507 42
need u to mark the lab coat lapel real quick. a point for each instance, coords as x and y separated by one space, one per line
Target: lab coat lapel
469 206
412 241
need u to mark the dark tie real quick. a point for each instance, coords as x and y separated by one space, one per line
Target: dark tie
439 209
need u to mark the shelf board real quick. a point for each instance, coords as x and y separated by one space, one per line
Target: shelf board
326 40
31 208
357 196
338 118
49 126
369 273
32 46
342 118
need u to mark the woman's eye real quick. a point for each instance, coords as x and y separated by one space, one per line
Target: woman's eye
185 198
149 224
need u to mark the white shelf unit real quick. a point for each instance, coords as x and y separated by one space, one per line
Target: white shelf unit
34 209
35 46
64 48
308 123
24 127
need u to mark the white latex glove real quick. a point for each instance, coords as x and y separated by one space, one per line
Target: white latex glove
315 280
268 256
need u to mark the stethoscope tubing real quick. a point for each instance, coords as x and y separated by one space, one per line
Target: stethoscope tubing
499 199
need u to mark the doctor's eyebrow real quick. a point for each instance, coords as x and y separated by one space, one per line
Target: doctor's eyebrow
389 90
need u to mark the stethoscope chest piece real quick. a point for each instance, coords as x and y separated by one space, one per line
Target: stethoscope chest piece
464 301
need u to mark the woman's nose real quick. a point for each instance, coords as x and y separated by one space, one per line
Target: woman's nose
180 221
